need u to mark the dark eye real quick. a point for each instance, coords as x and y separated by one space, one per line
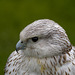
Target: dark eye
21 41
34 39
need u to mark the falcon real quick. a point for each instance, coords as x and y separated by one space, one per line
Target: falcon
43 49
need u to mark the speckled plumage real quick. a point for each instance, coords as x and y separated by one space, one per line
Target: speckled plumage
52 54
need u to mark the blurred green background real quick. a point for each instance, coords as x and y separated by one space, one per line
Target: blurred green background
16 14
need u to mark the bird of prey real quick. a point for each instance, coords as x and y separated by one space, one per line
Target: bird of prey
43 49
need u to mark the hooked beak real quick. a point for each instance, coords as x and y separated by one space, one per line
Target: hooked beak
20 46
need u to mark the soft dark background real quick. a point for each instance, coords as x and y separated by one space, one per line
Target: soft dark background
16 14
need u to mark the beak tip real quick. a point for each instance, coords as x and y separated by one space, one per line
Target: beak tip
17 50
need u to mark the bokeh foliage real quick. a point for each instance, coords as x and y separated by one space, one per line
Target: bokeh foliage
16 14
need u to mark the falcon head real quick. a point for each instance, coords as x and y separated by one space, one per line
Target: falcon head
43 38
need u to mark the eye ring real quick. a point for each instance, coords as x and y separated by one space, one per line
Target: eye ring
35 39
